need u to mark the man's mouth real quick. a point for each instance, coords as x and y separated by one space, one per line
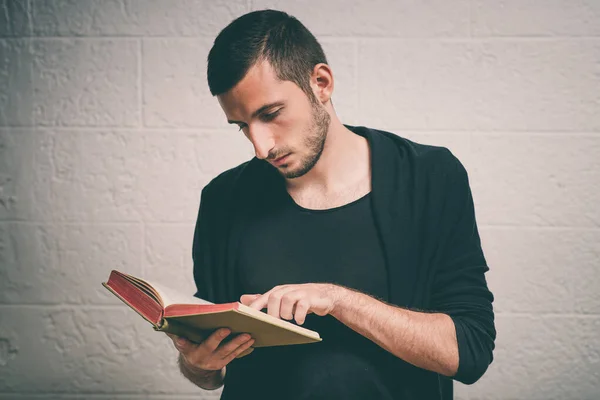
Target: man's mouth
280 160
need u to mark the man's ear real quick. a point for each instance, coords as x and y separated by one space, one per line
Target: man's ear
322 82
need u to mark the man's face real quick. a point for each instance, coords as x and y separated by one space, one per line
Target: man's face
279 120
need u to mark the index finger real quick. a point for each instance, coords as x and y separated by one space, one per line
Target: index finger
261 301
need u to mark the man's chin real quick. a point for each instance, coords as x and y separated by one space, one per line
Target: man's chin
286 172
291 173
294 169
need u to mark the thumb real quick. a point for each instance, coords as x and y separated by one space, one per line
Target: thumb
247 299
183 345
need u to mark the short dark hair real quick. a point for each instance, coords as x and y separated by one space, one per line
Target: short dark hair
268 35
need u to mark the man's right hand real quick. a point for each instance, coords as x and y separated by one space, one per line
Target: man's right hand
211 354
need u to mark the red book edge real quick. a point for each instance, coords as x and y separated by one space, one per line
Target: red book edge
135 298
182 310
152 311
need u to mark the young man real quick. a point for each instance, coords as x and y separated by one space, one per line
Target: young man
366 237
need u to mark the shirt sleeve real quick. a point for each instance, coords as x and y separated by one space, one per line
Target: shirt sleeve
460 288
201 251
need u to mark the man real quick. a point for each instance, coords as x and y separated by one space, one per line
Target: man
363 236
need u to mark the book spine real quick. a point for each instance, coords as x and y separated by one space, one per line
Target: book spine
163 325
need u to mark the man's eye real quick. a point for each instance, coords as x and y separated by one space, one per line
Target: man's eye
270 117
265 117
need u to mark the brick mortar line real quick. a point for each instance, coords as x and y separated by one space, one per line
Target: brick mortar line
366 37
213 129
100 129
548 315
476 132
140 93
41 127
539 228
66 306
476 39
190 223
143 244
141 125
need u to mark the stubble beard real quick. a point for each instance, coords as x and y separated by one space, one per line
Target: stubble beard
314 141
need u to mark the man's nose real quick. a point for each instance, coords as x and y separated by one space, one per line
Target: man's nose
262 141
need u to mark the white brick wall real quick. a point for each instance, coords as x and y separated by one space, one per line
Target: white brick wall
108 133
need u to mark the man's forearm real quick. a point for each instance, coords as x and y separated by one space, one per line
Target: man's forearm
426 340
208 380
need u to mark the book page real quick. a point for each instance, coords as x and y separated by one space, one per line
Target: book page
172 296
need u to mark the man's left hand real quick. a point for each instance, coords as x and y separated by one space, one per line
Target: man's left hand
296 301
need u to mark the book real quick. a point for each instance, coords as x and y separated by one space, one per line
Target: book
195 319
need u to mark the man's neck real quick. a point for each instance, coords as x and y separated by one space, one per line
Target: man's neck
344 163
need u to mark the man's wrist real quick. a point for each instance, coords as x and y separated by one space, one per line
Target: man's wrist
193 369
206 379
341 296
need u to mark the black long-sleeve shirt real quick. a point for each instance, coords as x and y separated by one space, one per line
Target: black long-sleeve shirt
423 211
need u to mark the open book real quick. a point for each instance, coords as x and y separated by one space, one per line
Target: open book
169 311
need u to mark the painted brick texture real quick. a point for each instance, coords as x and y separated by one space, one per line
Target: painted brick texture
108 133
